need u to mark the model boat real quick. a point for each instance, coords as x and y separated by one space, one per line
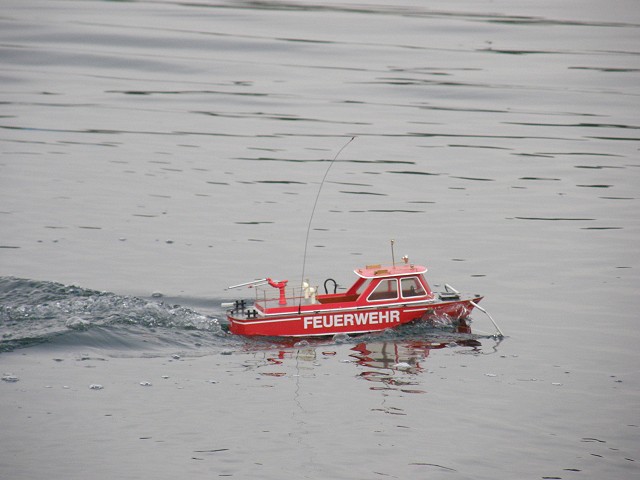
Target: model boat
381 297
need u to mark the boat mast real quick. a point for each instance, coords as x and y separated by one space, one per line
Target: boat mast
393 257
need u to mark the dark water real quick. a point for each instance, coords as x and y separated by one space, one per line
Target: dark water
177 148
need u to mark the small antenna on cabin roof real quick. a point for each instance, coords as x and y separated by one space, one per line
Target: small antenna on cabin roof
393 256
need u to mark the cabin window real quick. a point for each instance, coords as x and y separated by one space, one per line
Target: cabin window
411 287
386 290
362 287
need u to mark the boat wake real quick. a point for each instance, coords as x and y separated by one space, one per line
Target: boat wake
34 312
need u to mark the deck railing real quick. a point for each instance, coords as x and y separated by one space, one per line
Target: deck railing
269 297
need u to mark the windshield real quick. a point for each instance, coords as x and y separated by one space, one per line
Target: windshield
386 290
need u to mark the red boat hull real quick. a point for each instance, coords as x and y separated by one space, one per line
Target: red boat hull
303 322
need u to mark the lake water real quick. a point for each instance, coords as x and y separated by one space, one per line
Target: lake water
176 148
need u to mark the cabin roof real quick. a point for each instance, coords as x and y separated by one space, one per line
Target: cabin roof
378 271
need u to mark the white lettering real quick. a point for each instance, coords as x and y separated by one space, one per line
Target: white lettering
349 319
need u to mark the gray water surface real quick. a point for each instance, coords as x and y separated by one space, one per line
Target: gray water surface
171 147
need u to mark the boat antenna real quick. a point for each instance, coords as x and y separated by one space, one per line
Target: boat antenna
393 257
313 211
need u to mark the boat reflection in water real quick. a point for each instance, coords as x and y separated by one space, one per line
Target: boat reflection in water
393 360
394 365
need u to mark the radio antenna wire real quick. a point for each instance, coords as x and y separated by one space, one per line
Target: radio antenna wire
313 211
